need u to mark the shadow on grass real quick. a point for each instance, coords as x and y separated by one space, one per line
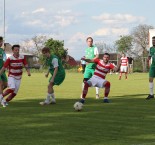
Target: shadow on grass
127 120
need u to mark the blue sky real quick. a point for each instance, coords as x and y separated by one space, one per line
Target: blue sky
74 20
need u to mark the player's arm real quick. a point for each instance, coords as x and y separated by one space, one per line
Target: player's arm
26 66
116 68
54 74
88 60
46 75
96 52
149 60
28 70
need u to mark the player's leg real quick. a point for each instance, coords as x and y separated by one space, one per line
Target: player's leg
1 90
50 98
126 72
106 85
120 74
151 85
96 88
11 86
90 83
5 81
14 93
9 90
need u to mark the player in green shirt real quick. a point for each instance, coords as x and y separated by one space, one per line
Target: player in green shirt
91 52
152 68
58 75
3 78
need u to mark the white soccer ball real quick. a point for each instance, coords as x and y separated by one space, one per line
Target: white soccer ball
78 106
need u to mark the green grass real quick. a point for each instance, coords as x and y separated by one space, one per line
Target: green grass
128 120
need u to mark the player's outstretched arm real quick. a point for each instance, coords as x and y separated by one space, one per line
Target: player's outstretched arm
87 60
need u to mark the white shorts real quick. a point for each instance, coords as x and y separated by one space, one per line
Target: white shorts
123 69
95 81
14 84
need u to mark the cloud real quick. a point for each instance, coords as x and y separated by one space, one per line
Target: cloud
108 18
40 10
111 31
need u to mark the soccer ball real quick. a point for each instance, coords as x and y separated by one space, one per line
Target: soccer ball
78 106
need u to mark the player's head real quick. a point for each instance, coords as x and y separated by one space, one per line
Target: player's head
89 41
153 40
46 51
106 57
123 54
1 41
15 49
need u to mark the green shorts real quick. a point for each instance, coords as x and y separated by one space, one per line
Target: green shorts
88 72
59 78
152 72
3 77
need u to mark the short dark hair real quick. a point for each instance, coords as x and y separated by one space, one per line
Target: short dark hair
16 45
45 50
1 38
153 37
89 38
106 54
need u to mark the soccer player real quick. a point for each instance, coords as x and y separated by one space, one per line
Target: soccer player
14 64
98 79
124 66
91 52
3 78
58 75
152 68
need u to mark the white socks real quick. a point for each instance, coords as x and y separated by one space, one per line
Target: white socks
97 90
151 85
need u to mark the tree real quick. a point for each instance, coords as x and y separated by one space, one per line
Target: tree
103 47
141 41
34 45
124 44
39 42
57 47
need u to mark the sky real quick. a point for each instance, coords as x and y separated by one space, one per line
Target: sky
73 20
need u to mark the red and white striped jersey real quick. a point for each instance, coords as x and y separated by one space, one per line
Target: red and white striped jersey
15 66
124 61
102 69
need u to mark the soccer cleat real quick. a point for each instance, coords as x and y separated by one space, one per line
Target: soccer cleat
3 103
53 101
105 101
97 96
150 97
44 103
82 101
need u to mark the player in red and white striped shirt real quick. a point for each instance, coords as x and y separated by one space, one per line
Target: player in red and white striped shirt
124 66
14 64
98 79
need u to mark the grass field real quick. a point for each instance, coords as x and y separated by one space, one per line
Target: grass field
128 120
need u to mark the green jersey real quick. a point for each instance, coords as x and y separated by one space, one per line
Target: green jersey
54 62
2 55
91 52
152 54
